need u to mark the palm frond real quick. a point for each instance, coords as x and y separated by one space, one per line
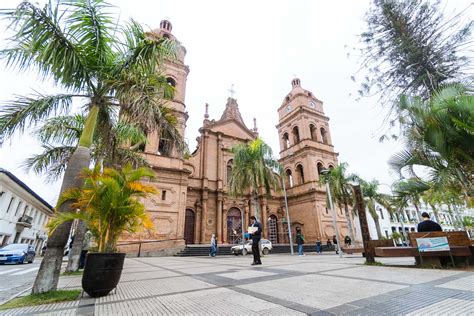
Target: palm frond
39 42
52 161
26 111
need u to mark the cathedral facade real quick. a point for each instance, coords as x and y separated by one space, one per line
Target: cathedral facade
193 200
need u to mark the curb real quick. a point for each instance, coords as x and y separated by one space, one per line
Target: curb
16 295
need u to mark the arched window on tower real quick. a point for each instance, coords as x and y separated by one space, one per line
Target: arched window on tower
229 171
165 145
300 173
312 130
286 141
289 178
324 135
320 167
331 167
296 135
171 81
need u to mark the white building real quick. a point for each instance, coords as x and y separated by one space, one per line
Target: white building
23 213
406 220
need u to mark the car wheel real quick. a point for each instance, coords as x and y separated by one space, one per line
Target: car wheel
244 252
265 251
31 259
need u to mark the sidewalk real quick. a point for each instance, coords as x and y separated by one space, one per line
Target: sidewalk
283 285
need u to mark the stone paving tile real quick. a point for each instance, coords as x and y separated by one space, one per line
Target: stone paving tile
449 306
127 277
65 307
240 275
147 288
309 291
210 302
466 284
70 282
390 274
311 267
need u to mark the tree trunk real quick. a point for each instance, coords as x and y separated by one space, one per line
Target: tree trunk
435 212
377 226
348 219
418 215
73 263
48 274
50 268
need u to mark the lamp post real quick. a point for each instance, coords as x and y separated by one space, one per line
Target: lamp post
287 217
328 190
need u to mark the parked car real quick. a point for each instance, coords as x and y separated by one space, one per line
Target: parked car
265 247
17 253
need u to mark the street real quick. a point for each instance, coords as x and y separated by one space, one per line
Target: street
15 278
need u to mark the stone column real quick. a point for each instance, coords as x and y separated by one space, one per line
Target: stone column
197 225
219 218
204 218
224 225
264 218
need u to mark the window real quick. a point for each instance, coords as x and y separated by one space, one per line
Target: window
381 213
171 81
10 204
229 170
312 131
300 173
386 234
324 135
296 135
320 168
289 178
163 195
327 212
165 146
18 208
286 141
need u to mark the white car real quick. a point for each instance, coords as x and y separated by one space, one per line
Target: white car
265 247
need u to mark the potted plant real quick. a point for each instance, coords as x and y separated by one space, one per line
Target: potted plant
109 205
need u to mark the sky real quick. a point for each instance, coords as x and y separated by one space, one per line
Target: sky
259 46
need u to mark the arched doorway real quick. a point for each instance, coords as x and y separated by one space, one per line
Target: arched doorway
189 227
234 225
273 229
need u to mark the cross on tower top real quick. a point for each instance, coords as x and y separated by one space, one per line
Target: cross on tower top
232 91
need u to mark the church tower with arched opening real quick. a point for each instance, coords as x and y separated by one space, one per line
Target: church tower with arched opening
305 150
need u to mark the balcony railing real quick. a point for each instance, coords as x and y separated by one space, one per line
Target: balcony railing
25 220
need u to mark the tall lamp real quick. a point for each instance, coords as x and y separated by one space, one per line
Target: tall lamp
331 205
287 216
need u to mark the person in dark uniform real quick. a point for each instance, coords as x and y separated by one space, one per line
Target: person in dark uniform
427 225
256 236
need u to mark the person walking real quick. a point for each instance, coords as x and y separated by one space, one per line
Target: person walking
256 236
318 245
427 225
329 244
299 241
213 250
334 241
347 241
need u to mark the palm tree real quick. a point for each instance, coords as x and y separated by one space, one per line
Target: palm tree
253 168
59 137
373 196
107 68
341 190
109 204
411 190
438 136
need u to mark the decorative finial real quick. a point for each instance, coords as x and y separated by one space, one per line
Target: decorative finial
232 91
206 115
255 129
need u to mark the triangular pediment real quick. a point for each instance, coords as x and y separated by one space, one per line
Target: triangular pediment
232 128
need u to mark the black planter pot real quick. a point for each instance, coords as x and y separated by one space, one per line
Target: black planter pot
102 273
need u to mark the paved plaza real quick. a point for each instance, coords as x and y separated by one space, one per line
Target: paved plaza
283 285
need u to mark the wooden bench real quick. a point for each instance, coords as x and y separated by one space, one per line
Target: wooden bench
458 241
373 243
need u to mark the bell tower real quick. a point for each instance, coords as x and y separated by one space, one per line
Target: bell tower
306 149
176 73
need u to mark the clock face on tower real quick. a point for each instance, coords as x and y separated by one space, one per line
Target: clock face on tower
311 104
288 108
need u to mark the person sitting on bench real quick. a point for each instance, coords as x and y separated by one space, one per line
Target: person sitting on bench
427 225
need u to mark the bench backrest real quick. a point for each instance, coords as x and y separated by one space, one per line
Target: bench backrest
382 243
459 238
